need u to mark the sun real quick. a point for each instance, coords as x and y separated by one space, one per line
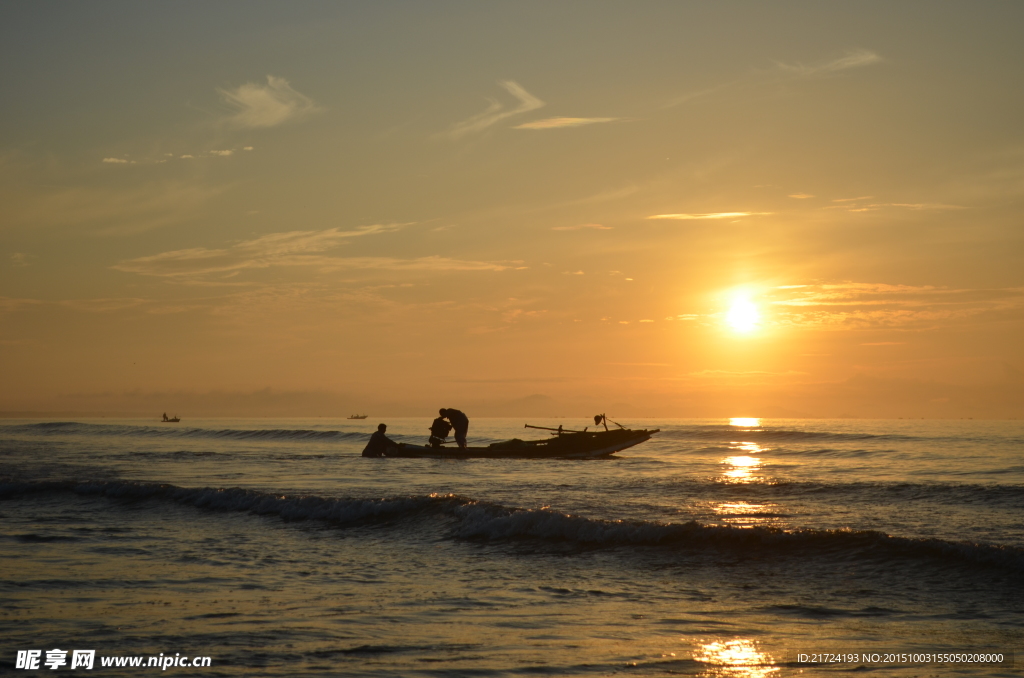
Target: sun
743 316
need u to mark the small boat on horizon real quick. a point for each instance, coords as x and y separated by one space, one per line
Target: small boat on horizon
358 416
172 420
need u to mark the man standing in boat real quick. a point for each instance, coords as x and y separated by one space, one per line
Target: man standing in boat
459 422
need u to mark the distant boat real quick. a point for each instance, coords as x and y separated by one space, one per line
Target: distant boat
172 420
358 416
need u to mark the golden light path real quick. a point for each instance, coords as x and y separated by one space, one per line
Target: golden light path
744 466
739 658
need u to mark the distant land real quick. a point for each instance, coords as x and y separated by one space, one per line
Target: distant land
858 397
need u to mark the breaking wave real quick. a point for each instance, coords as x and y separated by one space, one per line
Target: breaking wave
468 519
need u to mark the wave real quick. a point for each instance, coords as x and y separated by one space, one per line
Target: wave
809 452
473 520
728 433
77 428
957 494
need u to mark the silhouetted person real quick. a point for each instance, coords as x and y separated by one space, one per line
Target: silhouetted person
459 422
439 430
378 443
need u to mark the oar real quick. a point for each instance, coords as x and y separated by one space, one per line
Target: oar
548 428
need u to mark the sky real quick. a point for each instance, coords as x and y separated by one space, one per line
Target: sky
654 209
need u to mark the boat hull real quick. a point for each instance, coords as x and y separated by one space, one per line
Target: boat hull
568 446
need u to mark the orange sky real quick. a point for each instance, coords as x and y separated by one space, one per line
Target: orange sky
305 208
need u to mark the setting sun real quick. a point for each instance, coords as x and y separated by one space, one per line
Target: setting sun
743 315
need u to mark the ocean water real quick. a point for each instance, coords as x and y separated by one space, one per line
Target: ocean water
717 548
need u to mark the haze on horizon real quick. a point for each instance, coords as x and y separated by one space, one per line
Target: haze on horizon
679 209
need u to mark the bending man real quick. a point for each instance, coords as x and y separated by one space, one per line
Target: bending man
459 422
379 442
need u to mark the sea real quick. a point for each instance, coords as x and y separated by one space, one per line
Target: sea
721 547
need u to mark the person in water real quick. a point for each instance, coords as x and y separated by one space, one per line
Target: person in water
378 443
459 422
439 430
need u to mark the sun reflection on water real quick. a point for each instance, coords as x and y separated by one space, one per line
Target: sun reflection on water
747 422
745 515
738 658
743 468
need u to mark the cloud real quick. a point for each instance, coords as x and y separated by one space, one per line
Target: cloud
266 105
801 196
103 305
579 227
288 249
116 161
710 215
432 263
223 153
20 259
557 123
642 364
496 111
874 305
262 252
852 206
112 211
855 59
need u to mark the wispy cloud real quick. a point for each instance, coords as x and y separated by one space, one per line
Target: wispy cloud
289 249
496 111
784 71
111 211
878 305
21 260
853 205
266 105
102 305
709 215
580 227
265 251
558 123
854 59
801 196
118 161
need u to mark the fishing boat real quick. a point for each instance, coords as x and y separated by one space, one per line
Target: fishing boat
170 420
562 444
357 416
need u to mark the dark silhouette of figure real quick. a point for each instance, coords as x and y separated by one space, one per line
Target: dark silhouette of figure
459 422
439 430
378 443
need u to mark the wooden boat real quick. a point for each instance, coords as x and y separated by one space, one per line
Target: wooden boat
562 445
358 416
